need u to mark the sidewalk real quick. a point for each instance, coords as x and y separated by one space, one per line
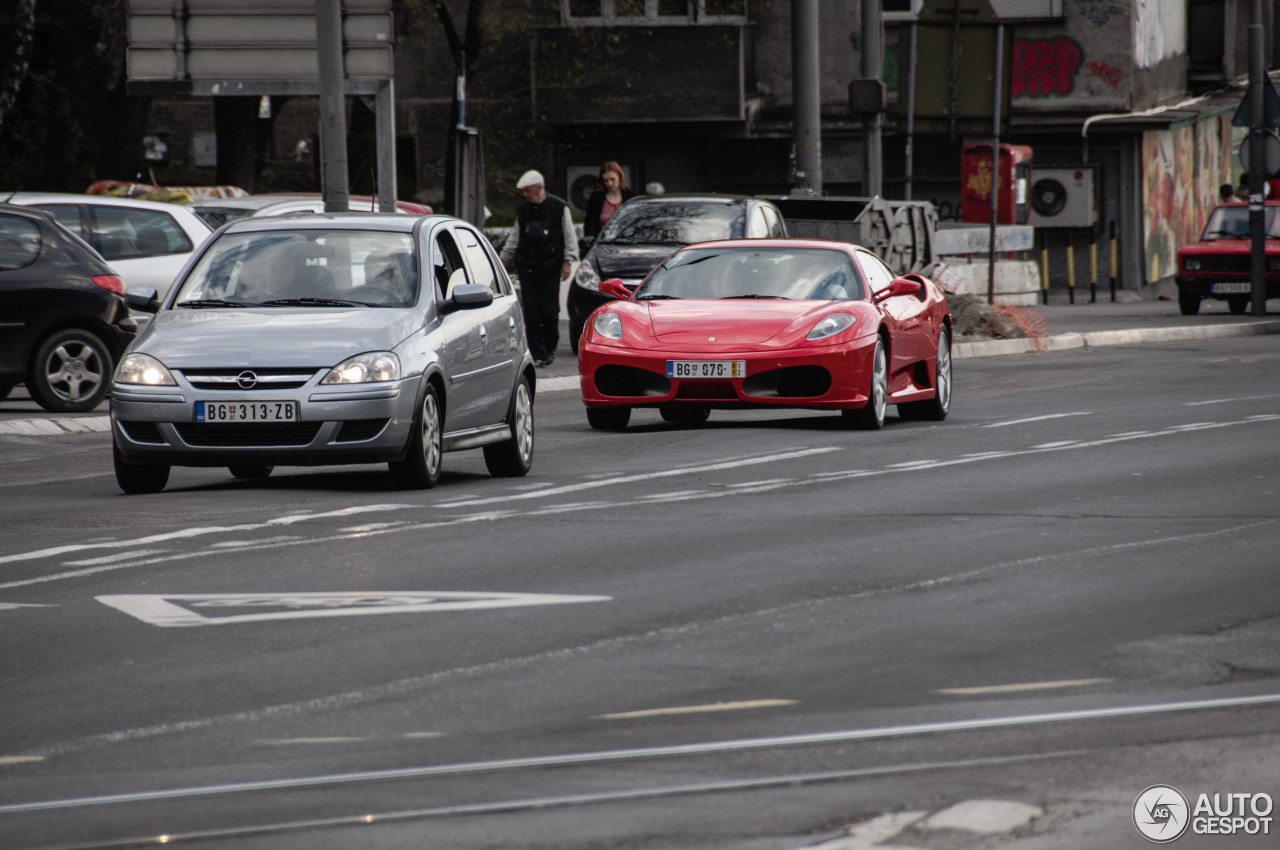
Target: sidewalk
1068 326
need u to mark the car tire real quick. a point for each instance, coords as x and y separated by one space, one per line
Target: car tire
137 479
420 470
514 457
1188 302
575 333
70 372
684 415
250 473
1239 303
608 418
934 409
870 417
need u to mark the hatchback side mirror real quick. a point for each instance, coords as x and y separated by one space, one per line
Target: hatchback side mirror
143 298
471 296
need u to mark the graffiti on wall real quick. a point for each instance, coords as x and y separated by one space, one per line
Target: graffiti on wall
1045 66
1181 172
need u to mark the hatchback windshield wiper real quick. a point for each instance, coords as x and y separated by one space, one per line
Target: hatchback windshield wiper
211 302
755 295
315 302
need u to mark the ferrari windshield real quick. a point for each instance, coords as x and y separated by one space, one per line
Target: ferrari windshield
304 268
745 272
1233 223
674 223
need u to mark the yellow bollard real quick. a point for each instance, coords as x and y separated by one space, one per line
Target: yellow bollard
1071 272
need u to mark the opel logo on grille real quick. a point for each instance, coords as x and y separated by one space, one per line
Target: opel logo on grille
246 380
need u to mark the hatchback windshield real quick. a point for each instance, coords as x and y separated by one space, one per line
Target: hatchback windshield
808 273
1233 223
317 268
674 223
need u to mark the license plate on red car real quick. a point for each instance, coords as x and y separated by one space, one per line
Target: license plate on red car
1230 287
246 411
706 369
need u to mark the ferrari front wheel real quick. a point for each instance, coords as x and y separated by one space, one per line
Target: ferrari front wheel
870 417
608 418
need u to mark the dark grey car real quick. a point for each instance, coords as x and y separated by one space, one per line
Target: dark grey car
326 340
647 229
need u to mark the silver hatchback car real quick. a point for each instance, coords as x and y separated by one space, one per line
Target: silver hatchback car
334 339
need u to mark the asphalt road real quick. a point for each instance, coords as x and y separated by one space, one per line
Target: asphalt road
758 633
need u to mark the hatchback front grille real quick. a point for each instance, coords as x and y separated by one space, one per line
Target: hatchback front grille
250 380
360 429
142 432
247 435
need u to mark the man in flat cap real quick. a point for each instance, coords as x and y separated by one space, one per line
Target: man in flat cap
543 247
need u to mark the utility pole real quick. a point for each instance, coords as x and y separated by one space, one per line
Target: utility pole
1257 160
333 110
873 123
806 96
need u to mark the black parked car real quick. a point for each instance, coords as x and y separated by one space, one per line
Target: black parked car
63 317
646 229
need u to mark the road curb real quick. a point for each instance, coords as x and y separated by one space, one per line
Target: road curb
1098 339
46 427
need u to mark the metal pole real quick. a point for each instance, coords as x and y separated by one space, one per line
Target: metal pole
385 127
1114 248
806 95
995 165
911 113
872 48
1257 160
1093 267
333 108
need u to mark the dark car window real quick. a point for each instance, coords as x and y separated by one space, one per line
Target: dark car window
125 233
481 267
674 223
19 242
448 259
814 274
68 215
877 274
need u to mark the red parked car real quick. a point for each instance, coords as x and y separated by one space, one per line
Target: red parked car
1219 265
761 323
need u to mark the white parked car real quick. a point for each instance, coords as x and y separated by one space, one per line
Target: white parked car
146 242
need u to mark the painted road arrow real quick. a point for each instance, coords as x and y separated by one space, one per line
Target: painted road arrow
217 609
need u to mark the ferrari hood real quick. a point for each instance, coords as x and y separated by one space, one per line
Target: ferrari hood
259 338
737 322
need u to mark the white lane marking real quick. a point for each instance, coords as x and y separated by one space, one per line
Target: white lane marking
1035 419
742 705
20 759
734 463
165 610
597 505
984 816
673 751
291 742
1026 686
1056 445
8 606
1230 400
187 533
416 684
869 834
116 558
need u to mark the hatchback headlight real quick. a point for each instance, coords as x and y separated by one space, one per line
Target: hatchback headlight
1191 264
587 277
831 325
608 325
370 368
143 370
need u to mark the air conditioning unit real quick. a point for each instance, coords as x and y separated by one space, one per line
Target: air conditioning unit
1064 196
580 181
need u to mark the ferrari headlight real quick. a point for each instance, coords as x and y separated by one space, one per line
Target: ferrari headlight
587 277
608 325
831 324
369 368
1191 264
144 370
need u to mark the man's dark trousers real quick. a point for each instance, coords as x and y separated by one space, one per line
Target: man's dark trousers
540 300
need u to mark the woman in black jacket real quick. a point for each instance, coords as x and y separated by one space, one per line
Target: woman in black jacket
605 200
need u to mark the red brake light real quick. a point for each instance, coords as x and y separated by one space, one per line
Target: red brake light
111 283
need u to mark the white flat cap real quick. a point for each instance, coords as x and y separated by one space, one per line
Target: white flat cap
529 178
